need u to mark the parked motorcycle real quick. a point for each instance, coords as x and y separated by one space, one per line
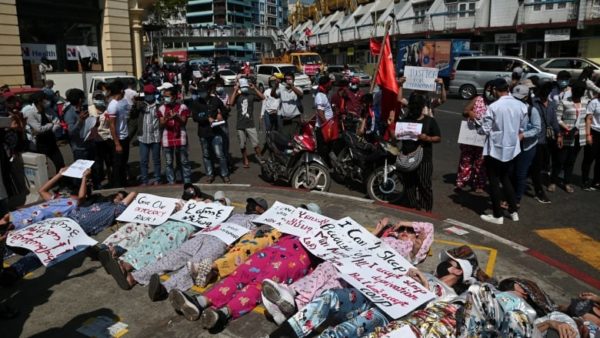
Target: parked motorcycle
295 162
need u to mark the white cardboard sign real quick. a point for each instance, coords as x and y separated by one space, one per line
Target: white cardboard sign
203 214
227 232
148 209
50 238
408 130
470 136
78 167
420 78
403 332
303 223
275 216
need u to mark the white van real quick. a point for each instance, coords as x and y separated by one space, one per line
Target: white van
265 71
470 74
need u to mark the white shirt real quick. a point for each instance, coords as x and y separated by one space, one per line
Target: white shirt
270 104
593 109
289 102
129 96
501 123
322 103
118 109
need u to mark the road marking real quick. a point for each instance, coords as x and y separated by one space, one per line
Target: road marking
575 243
487 234
332 194
493 253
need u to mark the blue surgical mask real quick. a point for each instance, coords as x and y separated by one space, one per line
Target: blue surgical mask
168 99
563 84
220 90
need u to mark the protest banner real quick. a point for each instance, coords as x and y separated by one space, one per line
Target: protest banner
302 223
275 216
468 135
420 78
403 332
148 209
50 238
202 214
408 131
227 232
78 167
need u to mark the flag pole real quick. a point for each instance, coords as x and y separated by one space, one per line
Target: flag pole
385 36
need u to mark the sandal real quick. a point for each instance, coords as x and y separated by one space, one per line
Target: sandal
226 180
210 179
114 268
246 165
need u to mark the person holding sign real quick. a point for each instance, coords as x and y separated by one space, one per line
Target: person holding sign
431 103
417 183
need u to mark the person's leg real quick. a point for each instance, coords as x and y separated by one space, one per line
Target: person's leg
26 264
206 156
570 158
536 172
55 155
522 164
242 141
144 154
558 162
186 167
267 122
424 173
226 289
357 326
324 277
253 136
169 157
410 188
586 165
504 170
217 147
463 174
125 165
174 260
155 148
492 167
480 179
242 250
596 153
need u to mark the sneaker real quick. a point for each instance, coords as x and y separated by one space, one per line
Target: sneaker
199 271
276 315
185 304
492 219
542 198
281 296
212 319
156 291
226 180
514 216
552 187
588 187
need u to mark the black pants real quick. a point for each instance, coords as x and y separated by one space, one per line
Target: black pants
499 173
418 186
47 145
104 157
565 160
88 154
539 161
591 153
289 127
119 166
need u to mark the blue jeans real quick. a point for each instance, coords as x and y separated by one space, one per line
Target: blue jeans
145 149
352 313
521 169
214 146
186 168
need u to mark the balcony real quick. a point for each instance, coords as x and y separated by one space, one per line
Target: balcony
592 10
421 24
324 38
548 12
364 31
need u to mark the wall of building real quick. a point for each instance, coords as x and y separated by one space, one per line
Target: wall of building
116 37
11 63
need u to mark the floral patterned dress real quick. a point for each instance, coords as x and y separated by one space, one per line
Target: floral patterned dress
58 207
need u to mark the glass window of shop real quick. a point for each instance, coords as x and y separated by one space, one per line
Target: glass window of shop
71 28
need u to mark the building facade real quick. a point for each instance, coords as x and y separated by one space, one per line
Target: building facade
526 28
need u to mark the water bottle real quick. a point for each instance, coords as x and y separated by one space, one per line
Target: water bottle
438 88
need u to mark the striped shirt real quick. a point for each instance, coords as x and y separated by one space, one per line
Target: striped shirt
571 115
150 126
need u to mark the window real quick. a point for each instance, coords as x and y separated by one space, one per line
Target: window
561 64
265 70
468 64
537 7
562 5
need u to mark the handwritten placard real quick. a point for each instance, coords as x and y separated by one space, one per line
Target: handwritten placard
420 78
202 214
227 232
50 238
149 209
468 135
402 332
408 130
302 223
275 216
77 169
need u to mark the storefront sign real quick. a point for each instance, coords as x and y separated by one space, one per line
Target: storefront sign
551 35
202 214
35 51
505 38
350 51
148 209
74 52
181 55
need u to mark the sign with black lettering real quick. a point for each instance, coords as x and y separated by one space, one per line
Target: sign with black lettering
202 214
148 209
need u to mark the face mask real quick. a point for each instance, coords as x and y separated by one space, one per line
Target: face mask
244 90
563 84
220 90
202 95
149 99
489 96
289 82
168 99
98 103
105 92
353 88
46 104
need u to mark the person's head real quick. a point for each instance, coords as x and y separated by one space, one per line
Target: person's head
325 84
103 86
535 80
169 96
562 79
289 79
313 207
587 73
39 100
530 292
402 232
191 192
210 89
131 83
521 92
416 103
578 90
76 97
4 88
116 89
99 101
467 260
118 197
500 87
256 205
49 84
354 84
367 100
150 93
543 91
219 197
488 92
346 67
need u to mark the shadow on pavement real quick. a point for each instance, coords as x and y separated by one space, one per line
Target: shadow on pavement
70 328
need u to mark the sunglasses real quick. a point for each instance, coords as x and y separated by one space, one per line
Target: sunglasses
409 230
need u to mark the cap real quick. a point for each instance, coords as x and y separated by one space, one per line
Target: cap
219 195
527 82
323 80
190 191
279 76
165 85
314 207
243 82
520 92
466 259
355 80
500 84
149 89
259 201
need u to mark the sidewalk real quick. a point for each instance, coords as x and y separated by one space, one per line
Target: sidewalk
61 299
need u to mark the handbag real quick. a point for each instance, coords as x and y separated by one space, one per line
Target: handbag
330 130
409 162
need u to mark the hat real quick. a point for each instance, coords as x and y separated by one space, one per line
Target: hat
98 93
500 84
219 195
259 201
149 89
466 259
355 80
313 207
323 80
279 76
190 191
243 82
527 82
165 85
520 92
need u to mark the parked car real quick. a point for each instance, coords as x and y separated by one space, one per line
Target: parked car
264 72
470 74
572 65
338 73
228 76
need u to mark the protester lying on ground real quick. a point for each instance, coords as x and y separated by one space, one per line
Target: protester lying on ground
411 239
191 263
348 313
54 204
585 309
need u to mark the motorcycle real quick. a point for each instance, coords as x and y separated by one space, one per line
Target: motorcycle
295 162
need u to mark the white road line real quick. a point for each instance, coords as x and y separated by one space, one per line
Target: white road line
208 185
447 111
324 193
487 234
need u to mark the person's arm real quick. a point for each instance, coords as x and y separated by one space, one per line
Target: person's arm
183 115
44 190
591 86
400 89
83 186
112 124
588 129
129 198
560 110
536 125
469 112
298 91
162 119
233 96
320 110
433 134
263 106
75 123
487 122
439 101
36 125
423 241
257 92
380 226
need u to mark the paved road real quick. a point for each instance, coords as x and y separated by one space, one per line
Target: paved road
566 231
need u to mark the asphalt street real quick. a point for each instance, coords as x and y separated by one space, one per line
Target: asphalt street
566 231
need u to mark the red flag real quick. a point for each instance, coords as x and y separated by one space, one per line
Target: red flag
375 47
386 79
307 32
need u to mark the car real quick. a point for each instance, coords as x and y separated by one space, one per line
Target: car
470 74
338 73
228 76
572 65
264 72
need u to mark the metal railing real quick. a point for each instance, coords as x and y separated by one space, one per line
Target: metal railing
216 31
